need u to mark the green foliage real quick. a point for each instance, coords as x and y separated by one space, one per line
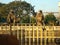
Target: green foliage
50 19
25 19
18 8
28 19
33 20
1 4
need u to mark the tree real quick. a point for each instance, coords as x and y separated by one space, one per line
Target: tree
50 19
33 20
1 4
21 9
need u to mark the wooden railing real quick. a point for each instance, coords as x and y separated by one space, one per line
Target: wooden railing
32 31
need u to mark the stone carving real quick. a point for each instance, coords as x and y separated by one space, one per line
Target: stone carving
39 18
12 18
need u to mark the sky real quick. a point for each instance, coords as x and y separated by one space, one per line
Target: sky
44 5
